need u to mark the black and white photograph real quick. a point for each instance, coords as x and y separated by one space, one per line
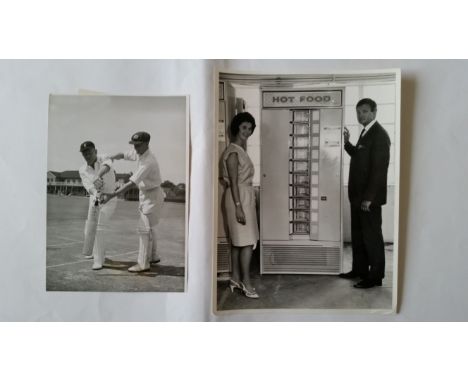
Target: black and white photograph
117 193
307 195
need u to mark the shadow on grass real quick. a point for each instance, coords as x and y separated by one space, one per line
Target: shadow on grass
155 270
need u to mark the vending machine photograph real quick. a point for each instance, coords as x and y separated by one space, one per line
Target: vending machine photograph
307 194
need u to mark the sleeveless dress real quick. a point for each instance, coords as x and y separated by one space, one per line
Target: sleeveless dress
241 235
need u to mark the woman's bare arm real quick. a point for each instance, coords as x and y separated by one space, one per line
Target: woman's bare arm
232 167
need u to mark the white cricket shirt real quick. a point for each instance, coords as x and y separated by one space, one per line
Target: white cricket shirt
88 174
147 175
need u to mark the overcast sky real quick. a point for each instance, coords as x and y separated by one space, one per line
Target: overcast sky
110 121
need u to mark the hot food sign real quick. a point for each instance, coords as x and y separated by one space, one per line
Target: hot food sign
302 99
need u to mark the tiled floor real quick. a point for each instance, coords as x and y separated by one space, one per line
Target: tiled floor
310 291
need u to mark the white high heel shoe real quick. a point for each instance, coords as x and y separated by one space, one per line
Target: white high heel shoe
233 285
249 293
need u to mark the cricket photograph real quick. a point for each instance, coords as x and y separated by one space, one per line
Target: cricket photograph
117 193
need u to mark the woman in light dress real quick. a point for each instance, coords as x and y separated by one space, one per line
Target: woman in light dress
238 172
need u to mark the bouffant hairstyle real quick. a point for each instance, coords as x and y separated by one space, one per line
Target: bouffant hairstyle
238 120
367 101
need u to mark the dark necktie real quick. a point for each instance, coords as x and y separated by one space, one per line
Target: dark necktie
362 133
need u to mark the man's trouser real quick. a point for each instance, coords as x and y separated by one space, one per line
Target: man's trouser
97 227
367 242
151 203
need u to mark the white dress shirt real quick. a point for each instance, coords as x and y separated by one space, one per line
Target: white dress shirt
367 128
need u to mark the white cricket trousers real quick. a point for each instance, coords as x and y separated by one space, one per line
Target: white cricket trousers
151 204
97 228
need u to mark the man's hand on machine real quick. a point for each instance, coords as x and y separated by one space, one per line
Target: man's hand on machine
345 134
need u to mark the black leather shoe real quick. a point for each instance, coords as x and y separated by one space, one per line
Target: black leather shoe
349 275
366 284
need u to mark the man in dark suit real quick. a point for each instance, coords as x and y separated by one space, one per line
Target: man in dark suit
367 191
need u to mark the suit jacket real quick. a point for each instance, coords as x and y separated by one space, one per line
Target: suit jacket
369 166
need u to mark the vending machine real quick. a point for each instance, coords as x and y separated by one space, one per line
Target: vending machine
301 182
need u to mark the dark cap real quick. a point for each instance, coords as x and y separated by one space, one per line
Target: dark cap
87 145
140 137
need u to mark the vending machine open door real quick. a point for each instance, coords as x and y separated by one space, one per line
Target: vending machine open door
301 182
229 105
